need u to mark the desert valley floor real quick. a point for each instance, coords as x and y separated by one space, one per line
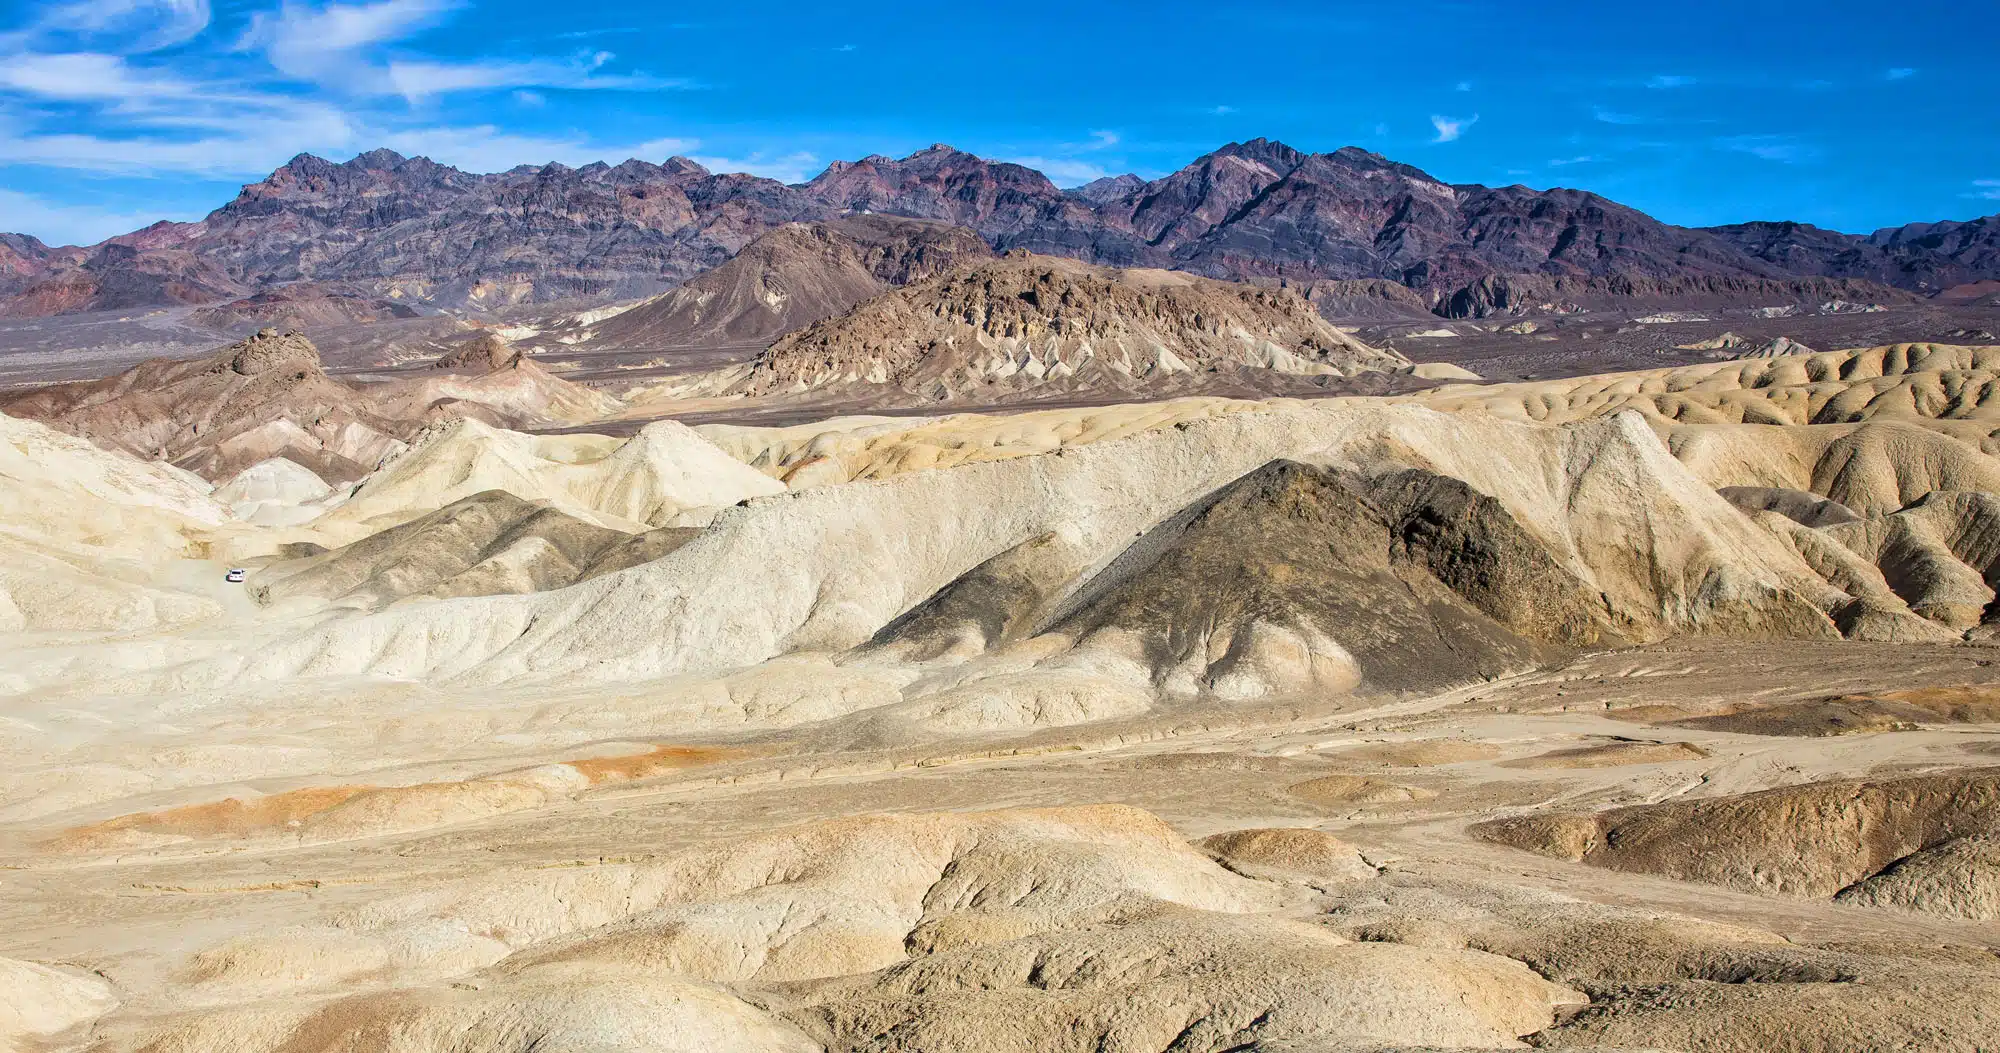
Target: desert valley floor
1640 710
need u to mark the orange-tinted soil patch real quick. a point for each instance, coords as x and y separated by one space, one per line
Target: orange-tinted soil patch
1971 704
657 761
230 817
370 806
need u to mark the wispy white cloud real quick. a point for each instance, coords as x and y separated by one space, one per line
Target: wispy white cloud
311 42
56 223
1669 80
1581 159
795 167
1900 73
1063 171
1065 168
1464 85
324 76
336 45
1783 149
262 144
141 25
846 48
420 80
1610 116
1450 128
485 148
85 76
1989 189
252 147
1221 111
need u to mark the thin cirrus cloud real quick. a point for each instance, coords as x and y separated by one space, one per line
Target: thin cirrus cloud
1669 80
1607 115
1449 129
1063 171
308 42
1783 149
796 167
145 25
485 148
417 81
80 90
1987 189
1068 170
1899 73
86 76
69 224
328 45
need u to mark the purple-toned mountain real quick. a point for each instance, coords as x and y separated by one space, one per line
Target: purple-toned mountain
423 233
416 232
1926 257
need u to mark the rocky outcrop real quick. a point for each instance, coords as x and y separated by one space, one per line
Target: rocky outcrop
1044 324
483 354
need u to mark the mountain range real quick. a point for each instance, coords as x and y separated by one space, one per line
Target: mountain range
419 233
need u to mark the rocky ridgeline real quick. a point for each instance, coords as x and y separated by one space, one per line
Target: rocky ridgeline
416 232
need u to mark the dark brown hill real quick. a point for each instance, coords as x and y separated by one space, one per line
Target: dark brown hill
792 277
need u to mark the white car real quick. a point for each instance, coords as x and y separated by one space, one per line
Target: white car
235 576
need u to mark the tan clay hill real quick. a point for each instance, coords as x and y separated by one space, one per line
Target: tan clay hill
1644 712
1043 326
790 278
269 396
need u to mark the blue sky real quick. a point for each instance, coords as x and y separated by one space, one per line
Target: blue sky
1851 115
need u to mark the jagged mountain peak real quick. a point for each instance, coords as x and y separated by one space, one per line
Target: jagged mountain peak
384 223
1269 152
1106 189
380 159
684 167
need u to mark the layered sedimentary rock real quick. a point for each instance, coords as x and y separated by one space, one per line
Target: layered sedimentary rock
1037 324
